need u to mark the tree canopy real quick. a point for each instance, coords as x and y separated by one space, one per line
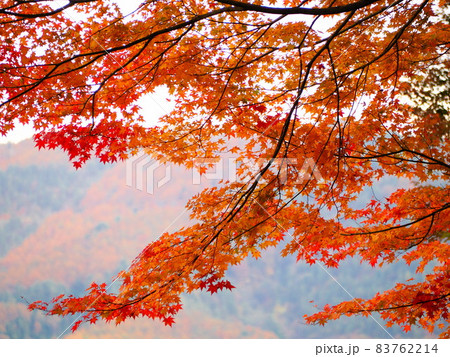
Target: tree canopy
356 89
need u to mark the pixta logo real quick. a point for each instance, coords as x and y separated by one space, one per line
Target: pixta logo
145 174
243 171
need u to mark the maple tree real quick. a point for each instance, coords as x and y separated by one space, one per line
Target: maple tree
271 82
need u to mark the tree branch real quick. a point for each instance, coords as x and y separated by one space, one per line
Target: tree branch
300 10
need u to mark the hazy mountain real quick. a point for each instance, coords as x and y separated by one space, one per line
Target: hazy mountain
61 229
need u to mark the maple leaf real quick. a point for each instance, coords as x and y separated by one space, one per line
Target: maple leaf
169 321
77 164
76 325
260 108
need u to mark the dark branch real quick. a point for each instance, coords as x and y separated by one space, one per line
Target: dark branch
71 3
301 10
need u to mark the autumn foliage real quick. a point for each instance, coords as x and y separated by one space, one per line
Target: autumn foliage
359 88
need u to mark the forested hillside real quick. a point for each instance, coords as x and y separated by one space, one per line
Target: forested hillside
61 229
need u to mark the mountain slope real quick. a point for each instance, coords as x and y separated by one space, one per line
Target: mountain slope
60 229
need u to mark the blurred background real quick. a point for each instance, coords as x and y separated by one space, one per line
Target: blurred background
61 229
